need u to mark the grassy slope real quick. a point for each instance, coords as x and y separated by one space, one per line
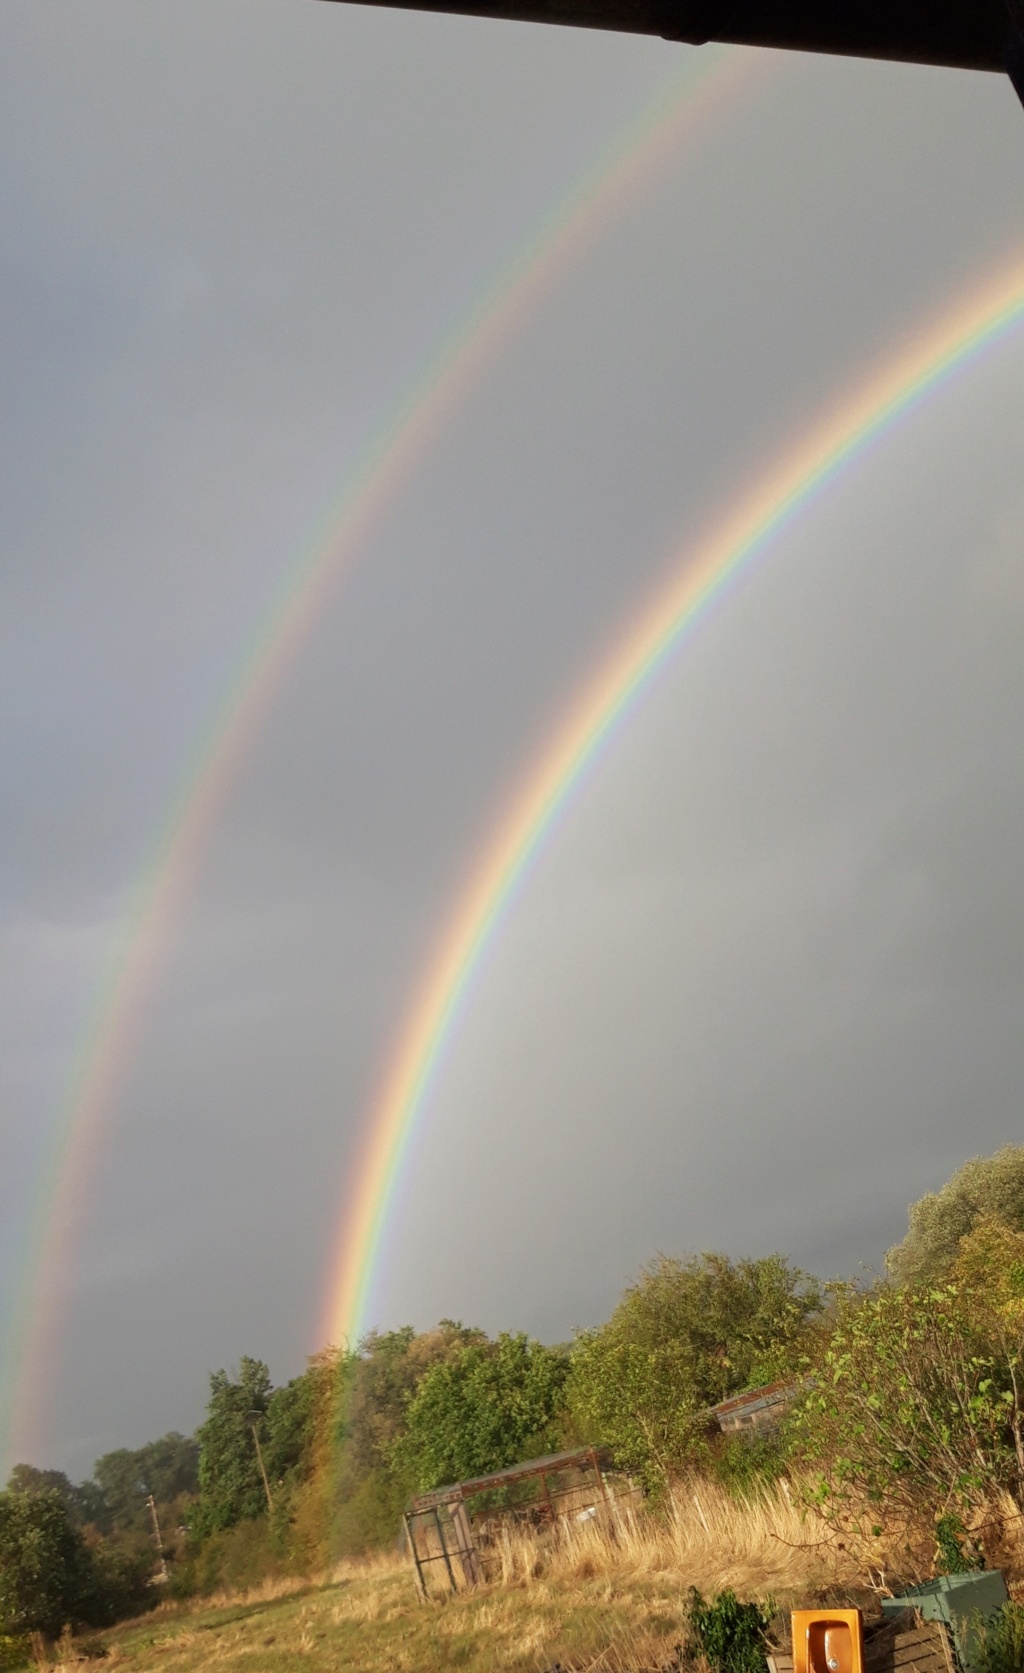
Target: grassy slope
608 1597
372 1621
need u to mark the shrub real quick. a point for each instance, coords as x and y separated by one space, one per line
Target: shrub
956 1552
912 1405
120 1584
999 1645
744 1466
729 1635
233 1558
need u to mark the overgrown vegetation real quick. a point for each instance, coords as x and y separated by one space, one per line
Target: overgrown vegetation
1000 1642
685 1335
600 1598
907 1428
727 1634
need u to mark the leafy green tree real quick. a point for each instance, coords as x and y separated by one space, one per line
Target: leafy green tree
288 1430
684 1336
487 1406
911 1406
168 1468
85 1503
45 1573
985 1186
230 1484
989 1273
375 1387
384 1380
389 1370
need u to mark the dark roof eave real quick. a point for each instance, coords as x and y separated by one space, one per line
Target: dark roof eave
961 34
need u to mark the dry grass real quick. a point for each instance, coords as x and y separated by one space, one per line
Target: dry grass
768 1544
1000 1530
606 1596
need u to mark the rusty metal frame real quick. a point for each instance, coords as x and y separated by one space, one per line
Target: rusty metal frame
462 1547
427 1509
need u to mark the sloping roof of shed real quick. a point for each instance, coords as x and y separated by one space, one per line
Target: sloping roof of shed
581 1458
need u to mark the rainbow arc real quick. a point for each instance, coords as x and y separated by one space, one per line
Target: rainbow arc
708 87
704 572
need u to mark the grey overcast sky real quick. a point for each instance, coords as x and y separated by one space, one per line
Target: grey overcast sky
765 985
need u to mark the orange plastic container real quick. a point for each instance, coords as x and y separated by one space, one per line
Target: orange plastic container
828 1641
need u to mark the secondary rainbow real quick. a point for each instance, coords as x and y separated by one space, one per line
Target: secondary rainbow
702 575
708 85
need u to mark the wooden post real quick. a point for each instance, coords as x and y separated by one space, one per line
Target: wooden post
547 1495
444 1549
467 1544
158 1537
263 1473
421 1585
599 1478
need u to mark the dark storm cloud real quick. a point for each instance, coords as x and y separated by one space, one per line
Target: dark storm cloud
230 234
770 980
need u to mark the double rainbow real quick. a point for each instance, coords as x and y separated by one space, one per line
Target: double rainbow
704 573
709 84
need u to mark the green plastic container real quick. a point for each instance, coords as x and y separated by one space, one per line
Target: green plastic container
960 1600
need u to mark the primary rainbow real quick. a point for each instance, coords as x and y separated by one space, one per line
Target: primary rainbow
703 574
694 98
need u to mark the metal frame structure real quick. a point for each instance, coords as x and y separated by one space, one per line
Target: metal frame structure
455 1545
440 1527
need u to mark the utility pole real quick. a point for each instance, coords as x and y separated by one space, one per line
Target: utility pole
158 1537
263 1473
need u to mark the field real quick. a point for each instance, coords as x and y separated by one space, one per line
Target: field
611 1598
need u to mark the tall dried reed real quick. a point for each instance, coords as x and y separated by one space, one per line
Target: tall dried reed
700 1536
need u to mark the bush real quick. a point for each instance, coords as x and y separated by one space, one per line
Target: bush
744 1466
999 1646
955 1551
729 1635
231 1558
368 1517
912 1405
121 1584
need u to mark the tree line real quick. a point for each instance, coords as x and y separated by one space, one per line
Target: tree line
911 1402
